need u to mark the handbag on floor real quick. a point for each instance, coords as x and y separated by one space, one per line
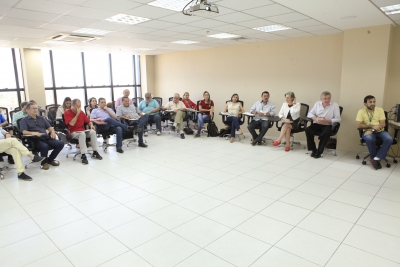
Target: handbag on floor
212 129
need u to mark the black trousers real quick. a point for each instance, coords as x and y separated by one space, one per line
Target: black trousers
324 132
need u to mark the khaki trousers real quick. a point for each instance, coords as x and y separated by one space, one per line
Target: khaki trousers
178 119
14 148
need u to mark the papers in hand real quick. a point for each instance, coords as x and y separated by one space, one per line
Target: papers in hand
134 119
227 114
285 121
85 131
248 114
190 109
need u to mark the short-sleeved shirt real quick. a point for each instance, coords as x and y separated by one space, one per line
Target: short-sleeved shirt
130 111
18 115
206 106
118 102
371 119
99 113
144 107
2 119
80 122
171 105
39 124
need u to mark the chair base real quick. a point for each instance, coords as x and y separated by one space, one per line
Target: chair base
264 141
1 172
364 161
329 149
77 153
238 136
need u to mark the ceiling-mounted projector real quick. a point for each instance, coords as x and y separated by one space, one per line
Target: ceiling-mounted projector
200 8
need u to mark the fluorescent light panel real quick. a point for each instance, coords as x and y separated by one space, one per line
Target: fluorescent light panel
223 36
272 28
390 10
175 5
127 19
185 42
59 42
92 31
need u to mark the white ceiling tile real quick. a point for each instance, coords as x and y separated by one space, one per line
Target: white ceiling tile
4 9
333 31
9 3
21 22
206 23
235 17
183 28
303 23
290 17
45 6
246 32
288 32
229 28
123 34
74 21
180 18
106 25
256 23
138 29
382 3
6 30
243 4
223 11
150 12
395 17
143 1
316 28
119 6
303 34
157 24
31 15
184 36
266 36
163 33
71 2
90 13
60 28
268 11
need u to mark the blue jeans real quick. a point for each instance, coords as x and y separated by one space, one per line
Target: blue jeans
155 119
140 123
234 124
44 145
370 141
116 127
200 121
264 124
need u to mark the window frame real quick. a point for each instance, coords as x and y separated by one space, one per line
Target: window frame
18 87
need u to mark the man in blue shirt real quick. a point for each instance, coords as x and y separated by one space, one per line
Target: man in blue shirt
102 113
151 107
36 126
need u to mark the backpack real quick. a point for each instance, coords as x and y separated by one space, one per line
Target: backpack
224 132
331 144
188 131
212 129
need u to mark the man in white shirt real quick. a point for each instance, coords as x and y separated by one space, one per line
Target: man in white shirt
178 113
324 114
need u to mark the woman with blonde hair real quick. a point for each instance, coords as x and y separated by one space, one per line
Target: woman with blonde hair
66 105
290 115
206 108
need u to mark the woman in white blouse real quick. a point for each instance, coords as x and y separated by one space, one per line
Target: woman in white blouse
66 105
290 115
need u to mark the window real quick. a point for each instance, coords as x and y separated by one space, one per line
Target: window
49 97
7 75
122 68
118 92
72 93
97 69
46 65
9 100
100 92
68 68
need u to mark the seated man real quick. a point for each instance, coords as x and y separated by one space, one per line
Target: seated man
129 111
151 107
102 113
373 121
75 120
36 125
179 113
13 147
262 110
324 114
119 100
20 114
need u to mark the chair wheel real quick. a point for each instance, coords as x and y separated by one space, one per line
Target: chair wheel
357 157
1 176
364 162
388 165
395 161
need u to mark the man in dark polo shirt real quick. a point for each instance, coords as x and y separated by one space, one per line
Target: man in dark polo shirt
36 125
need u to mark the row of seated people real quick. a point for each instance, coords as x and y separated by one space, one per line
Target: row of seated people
324 113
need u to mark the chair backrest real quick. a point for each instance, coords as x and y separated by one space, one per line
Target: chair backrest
52 113
159 100
170 99
5 114
304 110
52 105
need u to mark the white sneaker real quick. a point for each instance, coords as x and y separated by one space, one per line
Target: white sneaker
146 133
158 133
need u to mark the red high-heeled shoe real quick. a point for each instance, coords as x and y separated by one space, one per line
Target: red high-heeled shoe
287 149
276 143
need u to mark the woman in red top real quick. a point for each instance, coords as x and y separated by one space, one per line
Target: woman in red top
206 107
189 104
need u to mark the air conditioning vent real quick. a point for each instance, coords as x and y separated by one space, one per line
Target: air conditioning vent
74 38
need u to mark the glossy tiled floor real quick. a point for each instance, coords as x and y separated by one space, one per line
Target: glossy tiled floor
202 202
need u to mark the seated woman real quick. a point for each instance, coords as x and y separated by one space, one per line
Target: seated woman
61 109
189 104
235 109
206 108
92 104
290 112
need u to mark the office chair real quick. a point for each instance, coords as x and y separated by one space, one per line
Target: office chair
378 144
335 130
270 124
12 112
241 120
204 130
4 167
52 114
297 128
136 101
7 118
159 100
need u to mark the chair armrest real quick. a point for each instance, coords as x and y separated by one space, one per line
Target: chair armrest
335 128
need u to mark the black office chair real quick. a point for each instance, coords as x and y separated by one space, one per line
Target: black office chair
205 121
335 130
4 167
159 100
241 120
297 128
52 114
7 118
270 124
12 112
136 101
378 144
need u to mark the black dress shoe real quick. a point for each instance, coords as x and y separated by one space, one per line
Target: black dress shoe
84 159
96 155
173 128
119 150
313 153
182 136
131 128
317 155
24 177
376 164
37 158
254 143
142 145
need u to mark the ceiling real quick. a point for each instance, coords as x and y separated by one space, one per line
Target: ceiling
28 23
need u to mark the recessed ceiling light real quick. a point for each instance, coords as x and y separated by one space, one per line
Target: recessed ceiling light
92 31
59 42
223 36
175 5
272 28
127 19
185 42
390 10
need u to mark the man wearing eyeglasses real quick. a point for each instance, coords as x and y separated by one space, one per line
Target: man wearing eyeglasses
36 125
151 107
